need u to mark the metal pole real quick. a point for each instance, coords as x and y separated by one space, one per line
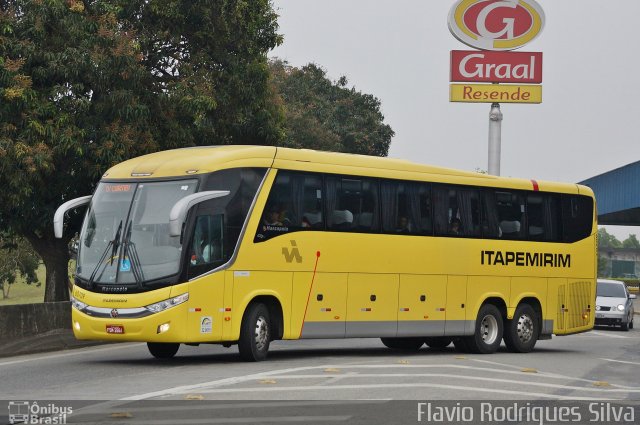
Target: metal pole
495 139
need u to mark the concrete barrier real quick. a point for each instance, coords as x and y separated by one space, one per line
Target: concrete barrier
32 328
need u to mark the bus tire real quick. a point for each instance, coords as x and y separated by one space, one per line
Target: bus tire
405 344
255 333
488 332
521 332
438 342
163 350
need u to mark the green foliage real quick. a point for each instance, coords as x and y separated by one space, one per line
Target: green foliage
326 115
17 258
87 84
605 240
603 266
631 242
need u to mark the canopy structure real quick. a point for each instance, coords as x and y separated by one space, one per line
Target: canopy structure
618 195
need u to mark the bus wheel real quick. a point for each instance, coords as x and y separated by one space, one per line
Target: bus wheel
521 332
438 342
162 350
489 330
255 334
407 344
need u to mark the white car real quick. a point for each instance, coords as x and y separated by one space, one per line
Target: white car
614 304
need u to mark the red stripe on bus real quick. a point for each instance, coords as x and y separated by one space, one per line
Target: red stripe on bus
536 188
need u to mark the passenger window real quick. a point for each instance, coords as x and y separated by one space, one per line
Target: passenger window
509 208
294 204
407 207
542 217
577 217
457 211
207 244
218 223
352 204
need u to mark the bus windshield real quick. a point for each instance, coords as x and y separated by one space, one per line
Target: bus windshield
125 236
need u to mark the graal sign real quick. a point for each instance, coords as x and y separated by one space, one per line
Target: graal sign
496 24
496 67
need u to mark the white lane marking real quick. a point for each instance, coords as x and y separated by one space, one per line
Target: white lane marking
334 377
218 382
72 352
482 389
620 361
256 376
609 335
451 376
499 364
553 375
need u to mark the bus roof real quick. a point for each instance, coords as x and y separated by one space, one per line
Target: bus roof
206 159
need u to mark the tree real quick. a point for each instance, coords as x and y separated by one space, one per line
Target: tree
605 240
327 115
631 242
17 258
87 84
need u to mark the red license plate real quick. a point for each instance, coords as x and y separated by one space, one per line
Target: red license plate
115 329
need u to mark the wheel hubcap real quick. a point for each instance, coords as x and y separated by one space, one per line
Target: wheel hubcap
262 333
525 328
489 329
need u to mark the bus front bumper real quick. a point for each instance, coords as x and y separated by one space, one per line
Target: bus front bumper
165 326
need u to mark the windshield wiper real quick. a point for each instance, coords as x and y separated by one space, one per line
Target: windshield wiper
113 244
130 248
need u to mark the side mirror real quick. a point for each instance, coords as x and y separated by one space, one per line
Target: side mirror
179 211
58 218
632 296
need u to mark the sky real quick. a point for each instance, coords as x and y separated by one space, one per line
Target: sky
398 51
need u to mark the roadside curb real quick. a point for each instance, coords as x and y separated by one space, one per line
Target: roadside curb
55 340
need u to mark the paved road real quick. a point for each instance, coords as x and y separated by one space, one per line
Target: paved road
600 365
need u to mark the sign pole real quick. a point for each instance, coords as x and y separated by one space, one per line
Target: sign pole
495 139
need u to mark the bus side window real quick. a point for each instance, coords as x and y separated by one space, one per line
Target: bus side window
577 217
352 204
407 207
457 211
511 214
294 204
542 217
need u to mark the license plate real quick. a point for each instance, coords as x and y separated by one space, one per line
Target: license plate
599 316
115 329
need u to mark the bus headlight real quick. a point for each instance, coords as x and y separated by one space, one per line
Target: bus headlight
78 305
620 307
166 304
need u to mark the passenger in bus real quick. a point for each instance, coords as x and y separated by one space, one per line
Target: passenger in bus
455 227
403 225
272 216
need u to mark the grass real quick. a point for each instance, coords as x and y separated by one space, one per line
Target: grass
21 293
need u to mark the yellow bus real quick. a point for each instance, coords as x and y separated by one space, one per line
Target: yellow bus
249 244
